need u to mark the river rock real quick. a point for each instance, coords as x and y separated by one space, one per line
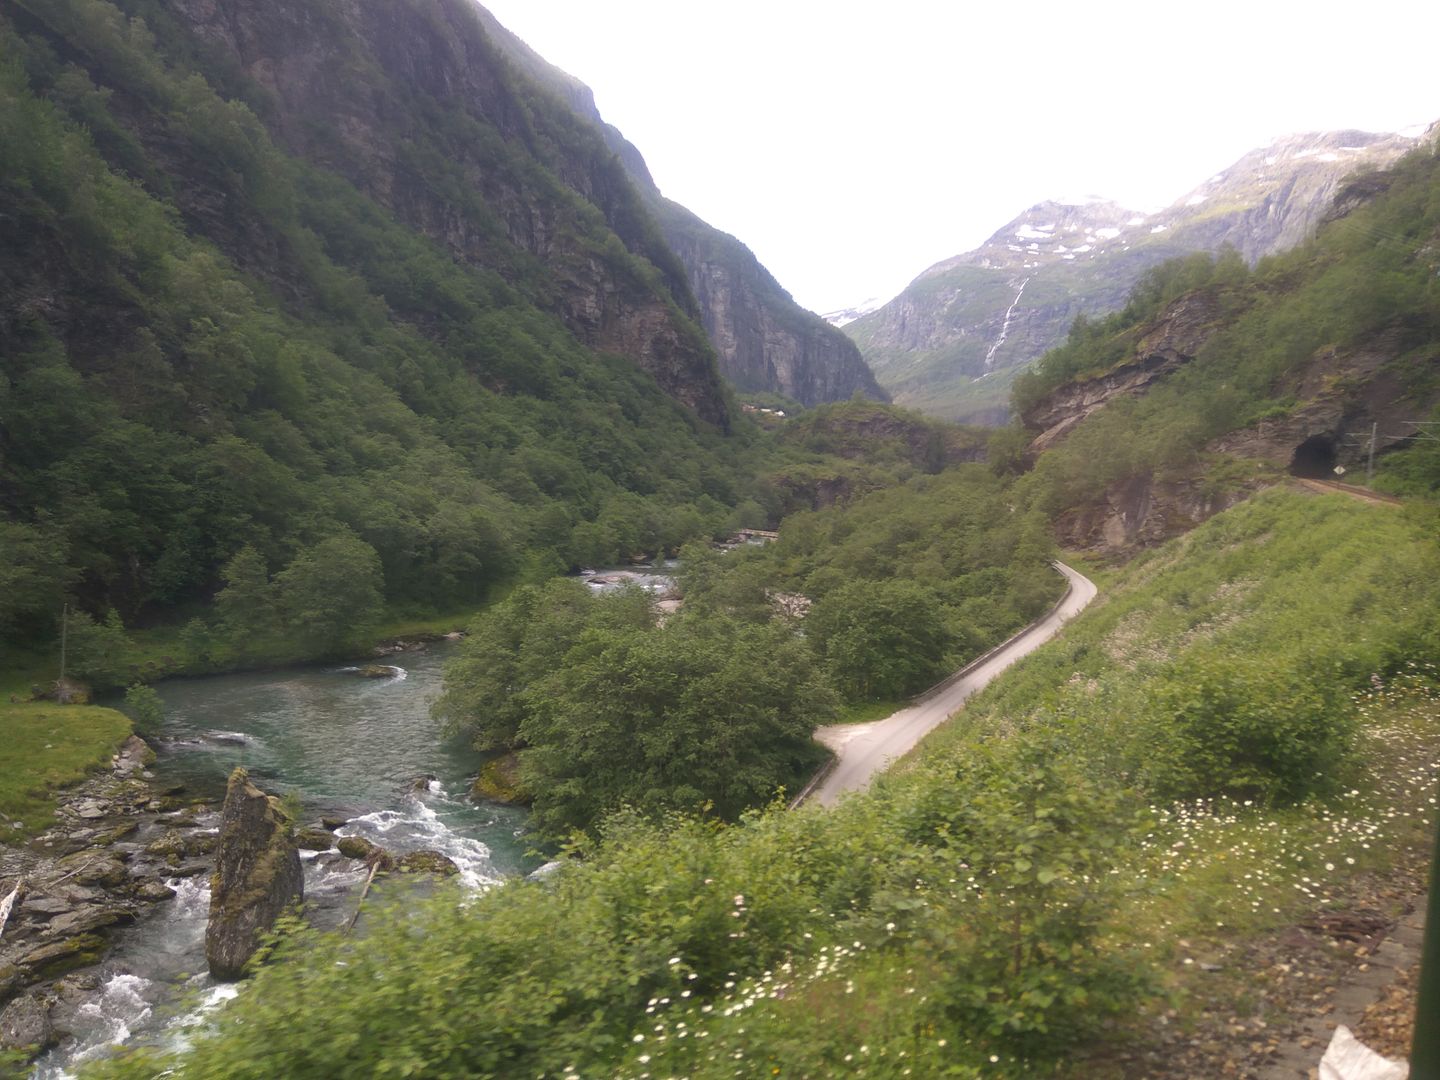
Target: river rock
84 920
355 847
426 861
89 867
500 781
133 756
45 906
154 891
314 840
257 876
333 823
25 1025
117 833
171 842
90 809
59 957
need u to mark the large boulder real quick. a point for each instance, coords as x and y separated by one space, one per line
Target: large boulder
25 1025
257 876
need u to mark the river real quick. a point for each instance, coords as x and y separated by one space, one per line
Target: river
347 747
363 749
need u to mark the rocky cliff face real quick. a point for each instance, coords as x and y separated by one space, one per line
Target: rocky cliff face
1169 343
765 341
505 177
1340 397
952 341
257 876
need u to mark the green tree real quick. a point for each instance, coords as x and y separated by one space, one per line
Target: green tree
247 604
144 706
99 653
881 639
701 714
518 642
33 579
332 593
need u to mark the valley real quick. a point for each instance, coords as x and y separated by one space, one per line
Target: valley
727 716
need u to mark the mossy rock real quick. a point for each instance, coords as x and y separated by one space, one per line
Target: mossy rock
499 781
118 832
355 847
11 979
61 956
316 840
172 842
426 861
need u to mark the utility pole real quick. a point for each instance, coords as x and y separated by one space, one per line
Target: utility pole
64 628
1423 431
1425 1044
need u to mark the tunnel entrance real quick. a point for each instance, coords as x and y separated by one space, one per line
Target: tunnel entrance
1314 458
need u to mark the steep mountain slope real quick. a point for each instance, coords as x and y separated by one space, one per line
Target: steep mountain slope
286 275
952 341
1214 380
765 341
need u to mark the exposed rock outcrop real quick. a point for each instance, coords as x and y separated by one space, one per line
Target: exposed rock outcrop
764 339
257 876
1170 343
1340 398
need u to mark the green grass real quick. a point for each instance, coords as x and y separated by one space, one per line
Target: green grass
400 626
862 712
44 747
22 670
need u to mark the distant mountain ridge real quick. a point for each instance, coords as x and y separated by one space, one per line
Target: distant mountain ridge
951 342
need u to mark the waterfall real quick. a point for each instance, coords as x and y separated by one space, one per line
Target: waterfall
1005 326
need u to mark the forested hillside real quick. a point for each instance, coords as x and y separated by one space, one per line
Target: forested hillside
236 320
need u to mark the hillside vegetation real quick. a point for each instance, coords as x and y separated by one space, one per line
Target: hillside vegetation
1368 285
215 349
1027 884
710 710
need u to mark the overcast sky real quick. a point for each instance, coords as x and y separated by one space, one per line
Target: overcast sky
851 145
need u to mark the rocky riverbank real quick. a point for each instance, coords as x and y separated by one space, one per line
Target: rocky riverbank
122 845
119 844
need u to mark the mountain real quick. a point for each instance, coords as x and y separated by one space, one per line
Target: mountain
309 283
952 341
1215 379
765 341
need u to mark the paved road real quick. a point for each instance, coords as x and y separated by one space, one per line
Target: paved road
866 749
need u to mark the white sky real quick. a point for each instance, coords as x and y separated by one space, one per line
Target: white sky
852 144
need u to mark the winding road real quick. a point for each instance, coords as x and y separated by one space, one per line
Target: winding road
862 750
